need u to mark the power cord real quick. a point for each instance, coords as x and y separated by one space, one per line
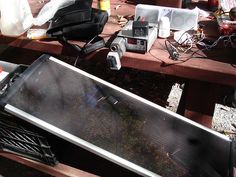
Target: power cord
187 39
184 42
227 39
173 52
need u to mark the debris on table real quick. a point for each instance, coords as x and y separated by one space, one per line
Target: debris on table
122 20
117 7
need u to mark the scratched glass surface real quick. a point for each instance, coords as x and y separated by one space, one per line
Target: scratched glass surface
110 119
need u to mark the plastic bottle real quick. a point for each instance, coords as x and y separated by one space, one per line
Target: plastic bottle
104 5
16 17
164 27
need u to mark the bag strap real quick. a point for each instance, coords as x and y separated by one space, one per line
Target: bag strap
95 43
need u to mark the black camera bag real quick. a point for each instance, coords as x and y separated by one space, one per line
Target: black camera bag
78 22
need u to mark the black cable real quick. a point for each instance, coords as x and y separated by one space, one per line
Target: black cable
180 60
175 55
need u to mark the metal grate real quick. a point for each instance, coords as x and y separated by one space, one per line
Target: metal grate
20 141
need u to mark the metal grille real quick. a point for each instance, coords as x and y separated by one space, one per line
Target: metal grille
20 141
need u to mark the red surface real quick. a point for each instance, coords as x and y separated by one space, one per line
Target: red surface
58 170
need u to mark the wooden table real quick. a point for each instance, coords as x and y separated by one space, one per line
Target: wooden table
217 67
202 70
60 169
206 73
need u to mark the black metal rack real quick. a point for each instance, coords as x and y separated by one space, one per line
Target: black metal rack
18 140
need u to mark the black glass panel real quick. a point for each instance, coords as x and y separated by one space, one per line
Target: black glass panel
117 121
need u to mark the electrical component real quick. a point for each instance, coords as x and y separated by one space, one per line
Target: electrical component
182 37
113 60
174 54
140 28
140 44
118 49
118 45
229 40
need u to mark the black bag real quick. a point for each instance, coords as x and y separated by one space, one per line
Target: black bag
79 22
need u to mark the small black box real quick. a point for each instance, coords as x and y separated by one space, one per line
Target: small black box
140 28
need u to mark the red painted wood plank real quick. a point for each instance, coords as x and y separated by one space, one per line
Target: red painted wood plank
60 169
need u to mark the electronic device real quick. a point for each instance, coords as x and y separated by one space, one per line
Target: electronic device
113 60
136 43
173 52
180 19
135 36
226 25
118 49
118 45
140 28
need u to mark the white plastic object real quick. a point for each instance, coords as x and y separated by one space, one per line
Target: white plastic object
16 17
49 10
182 37
180 19
226 5
164 27
113 59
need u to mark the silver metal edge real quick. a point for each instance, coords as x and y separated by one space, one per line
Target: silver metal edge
80 142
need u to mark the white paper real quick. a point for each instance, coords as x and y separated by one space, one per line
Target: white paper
3 75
